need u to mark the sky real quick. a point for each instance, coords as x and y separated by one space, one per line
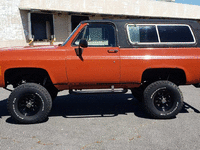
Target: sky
193 2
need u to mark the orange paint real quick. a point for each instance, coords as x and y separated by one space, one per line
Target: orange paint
100 67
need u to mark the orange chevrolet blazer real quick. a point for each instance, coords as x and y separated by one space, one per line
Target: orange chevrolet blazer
150 57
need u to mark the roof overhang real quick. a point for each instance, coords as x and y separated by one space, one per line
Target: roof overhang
144 8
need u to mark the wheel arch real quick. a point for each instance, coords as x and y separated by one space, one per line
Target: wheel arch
175 75
13 75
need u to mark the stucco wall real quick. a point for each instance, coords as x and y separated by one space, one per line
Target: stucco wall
11 29
62 26
14 25
145 8
14 15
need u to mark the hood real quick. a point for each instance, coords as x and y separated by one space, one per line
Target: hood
37 47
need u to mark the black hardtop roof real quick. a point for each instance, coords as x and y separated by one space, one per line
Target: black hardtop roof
122 35
157 21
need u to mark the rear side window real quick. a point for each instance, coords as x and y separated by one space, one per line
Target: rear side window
175 34
142 33
160 34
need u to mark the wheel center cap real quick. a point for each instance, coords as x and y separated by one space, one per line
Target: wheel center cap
29 104
164 100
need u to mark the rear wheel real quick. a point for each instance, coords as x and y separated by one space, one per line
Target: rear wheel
163 99
29 103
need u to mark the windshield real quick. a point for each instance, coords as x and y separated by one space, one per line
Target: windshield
71 35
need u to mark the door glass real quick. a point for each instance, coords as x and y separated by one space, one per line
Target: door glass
97 35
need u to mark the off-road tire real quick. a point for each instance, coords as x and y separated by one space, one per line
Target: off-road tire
163 99
53 92
29 103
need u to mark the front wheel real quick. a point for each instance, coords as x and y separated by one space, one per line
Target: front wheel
29 103
163 99
53 92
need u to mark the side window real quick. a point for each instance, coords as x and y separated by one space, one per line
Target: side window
160 34
142 33
97 35
175 33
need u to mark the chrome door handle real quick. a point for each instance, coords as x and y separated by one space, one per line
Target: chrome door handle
112 51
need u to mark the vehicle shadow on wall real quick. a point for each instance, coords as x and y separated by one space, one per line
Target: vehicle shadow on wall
92 106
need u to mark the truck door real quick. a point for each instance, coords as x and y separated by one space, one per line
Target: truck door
99 62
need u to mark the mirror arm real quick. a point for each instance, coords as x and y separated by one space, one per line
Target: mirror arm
82 44
79 51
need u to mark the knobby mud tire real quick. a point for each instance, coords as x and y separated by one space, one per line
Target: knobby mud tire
29 103
163 99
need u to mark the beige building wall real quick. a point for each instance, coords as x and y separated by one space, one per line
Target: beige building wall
145 8
14 25
14 28
11 26
62 26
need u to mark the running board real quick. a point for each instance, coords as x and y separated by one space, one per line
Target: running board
98 92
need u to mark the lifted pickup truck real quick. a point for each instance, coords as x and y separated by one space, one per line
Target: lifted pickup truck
149 57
